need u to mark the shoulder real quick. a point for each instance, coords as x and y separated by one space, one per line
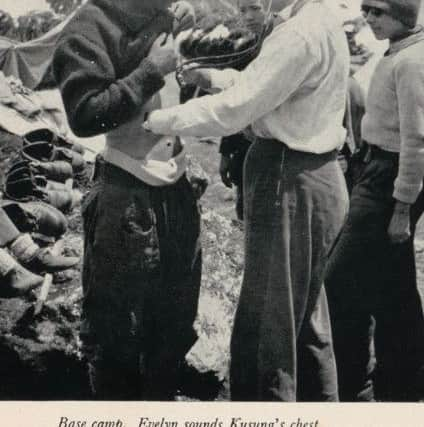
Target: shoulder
410 62
89 22
318 26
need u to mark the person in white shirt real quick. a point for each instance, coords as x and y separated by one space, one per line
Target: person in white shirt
295 199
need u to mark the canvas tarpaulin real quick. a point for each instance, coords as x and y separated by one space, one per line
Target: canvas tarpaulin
28 61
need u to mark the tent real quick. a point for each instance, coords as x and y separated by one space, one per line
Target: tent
29 61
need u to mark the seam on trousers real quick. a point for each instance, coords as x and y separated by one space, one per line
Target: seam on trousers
265 384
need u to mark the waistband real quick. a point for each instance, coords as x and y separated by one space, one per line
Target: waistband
371 151
275 144
153 172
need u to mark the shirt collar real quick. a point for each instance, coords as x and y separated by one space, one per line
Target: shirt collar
134 22
413 37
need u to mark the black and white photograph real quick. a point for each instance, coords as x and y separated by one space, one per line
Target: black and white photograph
212 201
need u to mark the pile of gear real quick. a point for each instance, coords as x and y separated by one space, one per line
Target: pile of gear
38 193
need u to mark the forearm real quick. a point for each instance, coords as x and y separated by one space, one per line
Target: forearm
408 183
100 111
95 100
410 94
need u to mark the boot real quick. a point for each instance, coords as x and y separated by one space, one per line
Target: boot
34 258
45 261
36 217
43 182
58 171
23 186
46 135
46 152
16 280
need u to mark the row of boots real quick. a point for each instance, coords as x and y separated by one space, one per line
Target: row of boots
38 193
43 171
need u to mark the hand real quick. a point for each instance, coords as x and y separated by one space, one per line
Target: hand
162 54
399 228
195 76
184 14
224 171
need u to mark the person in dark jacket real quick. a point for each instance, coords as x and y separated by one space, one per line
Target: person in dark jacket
142 261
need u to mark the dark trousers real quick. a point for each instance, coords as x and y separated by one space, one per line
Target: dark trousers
372 292
141 281
295 204
8 231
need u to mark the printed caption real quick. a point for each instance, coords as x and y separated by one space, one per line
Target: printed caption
163 422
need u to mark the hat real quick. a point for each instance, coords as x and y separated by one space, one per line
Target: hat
405 11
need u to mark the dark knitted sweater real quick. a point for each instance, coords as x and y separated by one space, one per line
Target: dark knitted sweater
101 68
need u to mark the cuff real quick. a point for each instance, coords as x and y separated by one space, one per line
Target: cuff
7 263
158 122
24 248
145 81
406 193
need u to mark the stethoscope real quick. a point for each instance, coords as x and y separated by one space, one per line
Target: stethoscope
223 60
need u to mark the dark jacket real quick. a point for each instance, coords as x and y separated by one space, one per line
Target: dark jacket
101 68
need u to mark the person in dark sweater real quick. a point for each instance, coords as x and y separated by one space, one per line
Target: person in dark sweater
142 262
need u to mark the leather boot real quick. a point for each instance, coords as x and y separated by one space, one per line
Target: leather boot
46 152
37 259
46 135
36 217
45 261
23 186
56 171
43 182
15 279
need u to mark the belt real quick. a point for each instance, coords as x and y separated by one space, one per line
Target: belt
372 151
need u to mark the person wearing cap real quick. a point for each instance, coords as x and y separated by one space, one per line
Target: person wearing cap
371 275
142 260
293 95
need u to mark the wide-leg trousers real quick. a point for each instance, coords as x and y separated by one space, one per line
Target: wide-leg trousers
294 206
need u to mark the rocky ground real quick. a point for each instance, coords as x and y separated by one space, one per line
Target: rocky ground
40 354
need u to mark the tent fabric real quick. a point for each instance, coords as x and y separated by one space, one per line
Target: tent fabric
29 61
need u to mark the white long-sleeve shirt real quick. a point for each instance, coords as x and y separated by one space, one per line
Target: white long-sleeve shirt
294 91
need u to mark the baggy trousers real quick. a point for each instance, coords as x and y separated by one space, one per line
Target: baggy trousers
371 284
141 281
295 205
8 230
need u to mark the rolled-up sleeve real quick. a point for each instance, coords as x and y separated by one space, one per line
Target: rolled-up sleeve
285 62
